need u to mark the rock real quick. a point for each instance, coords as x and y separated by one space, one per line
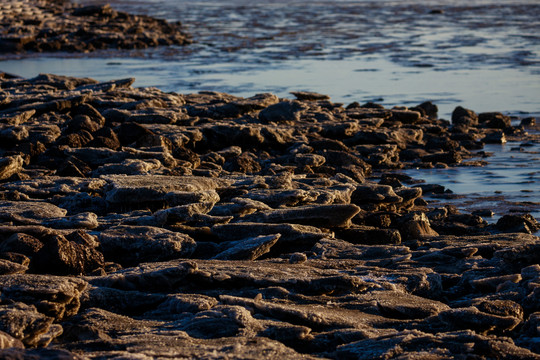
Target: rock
369 235
60 256
131 245
308 95
25 212
495 138
10 165
247 249
472 318
24 323
54 296
139 190
329 215
285 111
293 236
491 284
462 116
528 122
518 223
60 26
374 193
294 251
9 342
415 226
21 243
494 120
445 345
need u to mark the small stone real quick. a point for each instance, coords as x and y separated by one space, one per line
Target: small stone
297 258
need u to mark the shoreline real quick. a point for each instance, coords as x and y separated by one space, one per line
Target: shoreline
227 226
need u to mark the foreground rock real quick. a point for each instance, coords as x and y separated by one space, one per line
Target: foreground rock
48 25
141 224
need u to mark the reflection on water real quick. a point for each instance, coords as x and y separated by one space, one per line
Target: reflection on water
509 183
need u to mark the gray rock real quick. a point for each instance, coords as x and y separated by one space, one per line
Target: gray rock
293 236
24 323
316 215
247 249
285 111
25 212
131 245
61 256
374 193
54 296
445 345
139 190
474 319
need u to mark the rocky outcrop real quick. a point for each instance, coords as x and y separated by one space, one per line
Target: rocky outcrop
49 25
141 224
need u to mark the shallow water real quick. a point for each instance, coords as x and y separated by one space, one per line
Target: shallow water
483 55
480 54
509 183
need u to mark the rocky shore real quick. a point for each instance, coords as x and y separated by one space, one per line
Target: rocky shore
59 25
141 224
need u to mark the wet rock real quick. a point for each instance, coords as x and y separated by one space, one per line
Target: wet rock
308 95
135 244
451 157
495 138
518 223
494 120
462 116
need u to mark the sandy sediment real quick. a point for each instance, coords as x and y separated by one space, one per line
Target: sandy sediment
141 224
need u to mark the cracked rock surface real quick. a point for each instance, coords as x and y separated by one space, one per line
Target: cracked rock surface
141 224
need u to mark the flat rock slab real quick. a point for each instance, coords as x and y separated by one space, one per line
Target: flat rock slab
136 244
141 189
23 212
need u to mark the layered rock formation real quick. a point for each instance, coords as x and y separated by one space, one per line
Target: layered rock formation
142 224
